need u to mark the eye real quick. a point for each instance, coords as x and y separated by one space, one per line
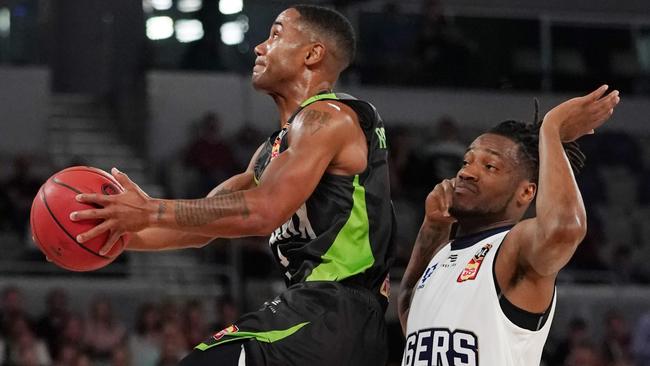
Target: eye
465 163
490 167
275 34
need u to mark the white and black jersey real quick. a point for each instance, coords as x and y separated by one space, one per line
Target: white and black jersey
458 316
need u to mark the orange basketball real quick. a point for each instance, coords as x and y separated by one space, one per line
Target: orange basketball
54 232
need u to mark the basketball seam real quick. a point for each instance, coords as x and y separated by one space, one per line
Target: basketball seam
44 198
57 181
91 170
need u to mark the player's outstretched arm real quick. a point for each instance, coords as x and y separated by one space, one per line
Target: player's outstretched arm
547 242
434 233
316 136
156 239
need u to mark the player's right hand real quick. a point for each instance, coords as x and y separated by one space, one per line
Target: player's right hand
439 202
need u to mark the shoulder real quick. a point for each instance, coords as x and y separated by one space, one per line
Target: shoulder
325 118
328 111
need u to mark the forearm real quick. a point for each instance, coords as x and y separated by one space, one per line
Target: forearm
158 239
235 214
560 213
559 203
429 240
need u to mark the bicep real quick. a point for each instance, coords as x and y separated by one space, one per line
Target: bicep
292 176
543 254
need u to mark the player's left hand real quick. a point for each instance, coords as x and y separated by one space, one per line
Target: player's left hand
582 115
122 213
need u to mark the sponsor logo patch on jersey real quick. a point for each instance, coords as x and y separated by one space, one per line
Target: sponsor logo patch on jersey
228 330
474 265
275 149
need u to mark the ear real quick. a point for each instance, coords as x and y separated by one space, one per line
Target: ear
315 54
527 191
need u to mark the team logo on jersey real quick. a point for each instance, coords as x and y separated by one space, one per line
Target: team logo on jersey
427 273
471 269
229 330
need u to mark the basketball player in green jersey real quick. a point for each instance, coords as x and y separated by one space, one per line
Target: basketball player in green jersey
319 187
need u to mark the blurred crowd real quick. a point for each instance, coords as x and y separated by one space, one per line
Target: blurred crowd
622 343
162 332
160 335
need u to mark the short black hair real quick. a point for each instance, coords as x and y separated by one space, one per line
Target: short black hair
526 135
333 24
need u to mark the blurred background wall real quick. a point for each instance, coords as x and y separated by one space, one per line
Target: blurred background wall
160 89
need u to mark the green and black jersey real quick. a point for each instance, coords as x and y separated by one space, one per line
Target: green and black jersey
344 231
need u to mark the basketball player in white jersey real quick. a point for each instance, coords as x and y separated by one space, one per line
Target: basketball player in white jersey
487 297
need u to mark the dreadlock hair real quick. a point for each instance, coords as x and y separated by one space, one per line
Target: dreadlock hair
333 24
526 135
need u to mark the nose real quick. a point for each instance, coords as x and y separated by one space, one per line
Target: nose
259 49
467 173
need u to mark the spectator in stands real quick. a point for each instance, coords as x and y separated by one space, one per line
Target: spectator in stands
121 356
577 334
83 360
583 354
210 155
145 343
174 345
196 328
73 332
67 354
226 313
24 347
169 313
616 341
103 332
12 307
50 326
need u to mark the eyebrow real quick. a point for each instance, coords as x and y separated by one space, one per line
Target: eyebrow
493 152
277 23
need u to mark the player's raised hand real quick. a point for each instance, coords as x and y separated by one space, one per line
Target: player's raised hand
582 115
122 213
439 202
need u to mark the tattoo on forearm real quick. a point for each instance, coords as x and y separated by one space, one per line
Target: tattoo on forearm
315 120
203 211
161 210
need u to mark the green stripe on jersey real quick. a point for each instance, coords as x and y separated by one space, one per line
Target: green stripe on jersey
318 97
350 253
266 337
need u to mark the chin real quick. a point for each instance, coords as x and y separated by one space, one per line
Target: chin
460 212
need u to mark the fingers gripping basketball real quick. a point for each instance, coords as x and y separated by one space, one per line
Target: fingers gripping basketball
54 232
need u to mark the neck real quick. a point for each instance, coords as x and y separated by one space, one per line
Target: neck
469 226
289 98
